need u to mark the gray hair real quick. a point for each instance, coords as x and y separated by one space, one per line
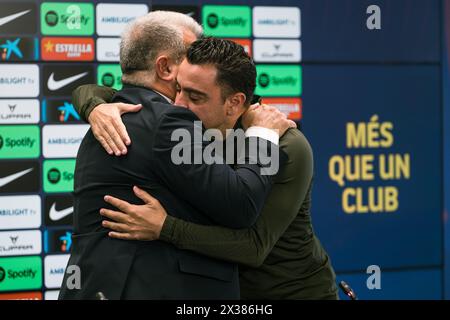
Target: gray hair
150 35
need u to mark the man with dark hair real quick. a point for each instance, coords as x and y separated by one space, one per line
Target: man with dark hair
158 270
280 257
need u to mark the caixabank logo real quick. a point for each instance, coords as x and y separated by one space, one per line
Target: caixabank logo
279 80
227 21
19 49
18 18
19 142
57 241
58 175
68 18
61 80
20 273
59 111
58 210
19 177
109 75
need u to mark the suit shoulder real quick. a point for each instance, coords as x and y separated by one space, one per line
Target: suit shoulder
179 112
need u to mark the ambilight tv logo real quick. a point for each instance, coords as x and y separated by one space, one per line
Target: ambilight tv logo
67 18
227 21
19 142
58 175
279 80
20 273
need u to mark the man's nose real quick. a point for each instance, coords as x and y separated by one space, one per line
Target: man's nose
179 101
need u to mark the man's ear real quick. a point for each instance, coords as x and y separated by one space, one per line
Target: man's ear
165 68
235 104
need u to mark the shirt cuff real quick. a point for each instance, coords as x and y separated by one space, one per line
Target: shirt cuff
167 230
263 133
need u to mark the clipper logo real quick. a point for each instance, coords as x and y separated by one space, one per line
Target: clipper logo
20 176
55 266
108 49
71 18
18 49
190 11
18 18
110 76
19 142
19 80
62 80
291 107
277 50
62 141
112 18
57 241
58 175
277 22
227 21
20 212
19 111
67 49
59 111
279 80
20 273
58 210
19 243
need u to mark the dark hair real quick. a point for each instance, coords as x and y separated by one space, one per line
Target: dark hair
236 71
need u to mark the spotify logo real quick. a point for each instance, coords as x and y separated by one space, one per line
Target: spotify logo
264 80
2 274
51 18
54 175
108 79
213 20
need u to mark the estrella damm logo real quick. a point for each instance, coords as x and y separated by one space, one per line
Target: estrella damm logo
227 21
67 49
109 75
70 18
20 273
58 175
18 142
279 80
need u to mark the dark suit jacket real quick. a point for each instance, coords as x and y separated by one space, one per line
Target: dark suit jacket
205 194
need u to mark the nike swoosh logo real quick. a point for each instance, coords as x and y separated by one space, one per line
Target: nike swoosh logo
12 17
54 85
56 215
190 14
5 180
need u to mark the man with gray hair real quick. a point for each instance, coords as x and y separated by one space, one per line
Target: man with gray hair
205 194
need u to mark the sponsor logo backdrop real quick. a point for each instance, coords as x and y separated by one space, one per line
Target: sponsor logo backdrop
368 100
